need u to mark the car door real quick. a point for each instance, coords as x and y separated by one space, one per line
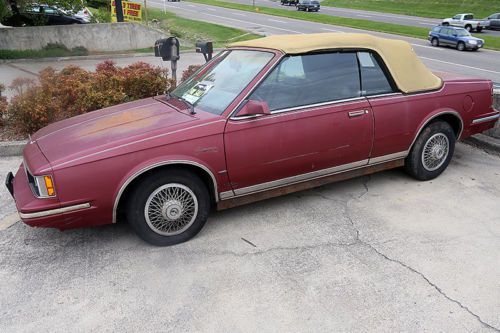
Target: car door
457 20
445 36
319 124
395 114
495 21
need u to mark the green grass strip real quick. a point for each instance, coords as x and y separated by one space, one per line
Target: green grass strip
423 8
397 29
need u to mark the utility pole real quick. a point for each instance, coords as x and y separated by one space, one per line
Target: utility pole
119 10
146 11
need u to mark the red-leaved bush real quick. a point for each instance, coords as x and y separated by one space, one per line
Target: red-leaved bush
189 71
73 91
3 104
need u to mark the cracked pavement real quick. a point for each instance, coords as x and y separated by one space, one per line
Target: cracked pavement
378 253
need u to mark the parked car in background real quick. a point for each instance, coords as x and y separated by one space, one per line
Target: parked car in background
494 21
458 38
467 22
308 5
263 118
43 15
289 2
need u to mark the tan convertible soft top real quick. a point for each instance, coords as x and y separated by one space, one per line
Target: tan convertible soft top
409 73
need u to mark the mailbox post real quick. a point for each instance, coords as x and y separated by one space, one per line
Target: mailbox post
206 48
168 50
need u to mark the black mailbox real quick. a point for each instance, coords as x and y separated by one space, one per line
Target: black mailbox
206 48
167 49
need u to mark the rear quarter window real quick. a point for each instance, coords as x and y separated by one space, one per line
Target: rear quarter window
374 80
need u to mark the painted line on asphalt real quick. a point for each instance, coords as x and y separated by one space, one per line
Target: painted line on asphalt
423 23
237 20
332 30
466 66
428 47
9 221
394 16
240 14
278 21
360 15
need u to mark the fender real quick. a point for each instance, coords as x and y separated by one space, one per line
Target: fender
434 115
159 162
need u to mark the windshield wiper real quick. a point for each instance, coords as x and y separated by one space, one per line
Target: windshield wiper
182 99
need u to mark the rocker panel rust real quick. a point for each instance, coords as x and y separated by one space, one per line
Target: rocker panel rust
276 192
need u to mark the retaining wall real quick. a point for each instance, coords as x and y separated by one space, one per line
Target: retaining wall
94 37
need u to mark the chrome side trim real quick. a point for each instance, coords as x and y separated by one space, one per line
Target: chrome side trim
50 212
310 176
485 119
435 116
387 158
156 165
299 178
226 195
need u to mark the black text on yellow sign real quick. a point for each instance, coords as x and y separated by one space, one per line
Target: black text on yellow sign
131 11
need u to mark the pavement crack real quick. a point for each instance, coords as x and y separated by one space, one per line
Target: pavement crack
429 282
366 180
411 269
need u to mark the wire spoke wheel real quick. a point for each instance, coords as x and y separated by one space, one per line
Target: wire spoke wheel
171 209
435 152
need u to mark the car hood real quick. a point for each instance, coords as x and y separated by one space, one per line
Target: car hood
100 130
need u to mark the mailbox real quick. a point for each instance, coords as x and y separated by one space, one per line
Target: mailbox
206 48
167 49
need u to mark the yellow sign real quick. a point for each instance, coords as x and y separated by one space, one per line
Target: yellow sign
131 11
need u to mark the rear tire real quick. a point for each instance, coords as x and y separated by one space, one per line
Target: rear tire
468 27
431 152
168 208
435 42
445 24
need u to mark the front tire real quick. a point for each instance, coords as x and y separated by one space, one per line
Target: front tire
432 151
168 208
461 46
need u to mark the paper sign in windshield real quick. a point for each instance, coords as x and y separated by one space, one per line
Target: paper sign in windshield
197 92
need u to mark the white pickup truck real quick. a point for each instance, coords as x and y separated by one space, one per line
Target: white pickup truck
466 21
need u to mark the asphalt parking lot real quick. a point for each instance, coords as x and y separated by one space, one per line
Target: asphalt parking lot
379 253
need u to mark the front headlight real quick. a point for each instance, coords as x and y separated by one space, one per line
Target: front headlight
472 42
42 186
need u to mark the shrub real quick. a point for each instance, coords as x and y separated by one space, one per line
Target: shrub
73 91
3 104
189 71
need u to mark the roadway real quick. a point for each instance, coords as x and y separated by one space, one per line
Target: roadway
484 63
415 21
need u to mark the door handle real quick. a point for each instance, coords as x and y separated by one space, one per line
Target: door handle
359 113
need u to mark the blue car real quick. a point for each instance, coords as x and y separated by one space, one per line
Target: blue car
458 38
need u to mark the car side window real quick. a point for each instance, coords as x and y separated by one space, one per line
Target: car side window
436 29
374 80
456 17
50 10
468 17
310 79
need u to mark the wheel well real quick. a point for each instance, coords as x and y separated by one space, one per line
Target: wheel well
453 121
203 174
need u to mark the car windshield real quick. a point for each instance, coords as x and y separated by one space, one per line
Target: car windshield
462 32
214 89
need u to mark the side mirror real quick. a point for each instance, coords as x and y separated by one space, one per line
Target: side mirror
254 108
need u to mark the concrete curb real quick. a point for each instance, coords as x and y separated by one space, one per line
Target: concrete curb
487 143
92 57
12 148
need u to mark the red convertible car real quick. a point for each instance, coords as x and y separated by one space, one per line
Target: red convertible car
263 118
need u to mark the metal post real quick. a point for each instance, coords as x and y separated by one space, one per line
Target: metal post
164 6
146 12
119 10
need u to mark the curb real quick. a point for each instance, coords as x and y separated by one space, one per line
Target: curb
89 57
487 143
12 148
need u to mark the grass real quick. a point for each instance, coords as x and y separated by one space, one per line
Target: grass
192 30
397 29
424 8
50 50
